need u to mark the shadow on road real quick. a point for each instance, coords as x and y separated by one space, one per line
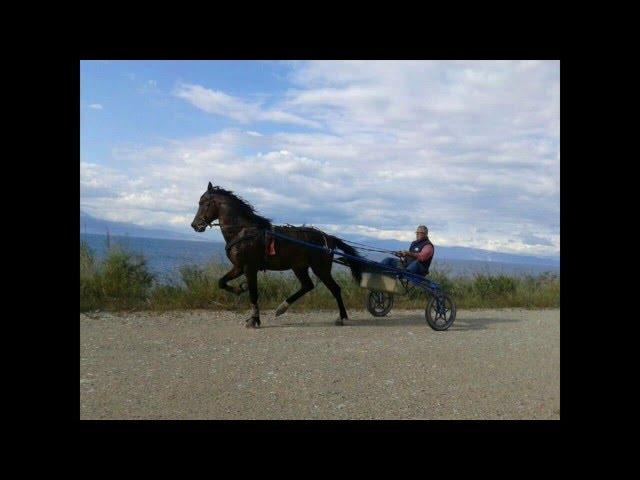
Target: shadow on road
461 324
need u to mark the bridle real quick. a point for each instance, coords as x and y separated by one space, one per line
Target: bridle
202 218
211 224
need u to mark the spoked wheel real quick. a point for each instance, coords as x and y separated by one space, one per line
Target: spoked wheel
440 312
379 303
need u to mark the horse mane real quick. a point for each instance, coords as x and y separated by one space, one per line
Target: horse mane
243 207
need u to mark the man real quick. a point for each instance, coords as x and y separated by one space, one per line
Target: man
419 255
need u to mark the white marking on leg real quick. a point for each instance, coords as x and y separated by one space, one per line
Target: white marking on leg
282 308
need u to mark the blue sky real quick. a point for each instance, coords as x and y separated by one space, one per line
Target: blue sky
469 148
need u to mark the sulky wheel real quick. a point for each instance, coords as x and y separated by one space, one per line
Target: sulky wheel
379 303
440 312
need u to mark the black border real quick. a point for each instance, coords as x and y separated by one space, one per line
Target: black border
69 86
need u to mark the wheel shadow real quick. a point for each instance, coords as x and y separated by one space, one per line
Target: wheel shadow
461 324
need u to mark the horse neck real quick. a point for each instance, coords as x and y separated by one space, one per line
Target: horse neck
232 224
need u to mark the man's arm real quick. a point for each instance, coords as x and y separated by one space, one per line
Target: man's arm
423 255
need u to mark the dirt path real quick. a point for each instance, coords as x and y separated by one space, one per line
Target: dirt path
492 364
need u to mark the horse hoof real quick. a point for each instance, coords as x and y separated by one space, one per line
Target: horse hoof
339 322
252 323
282 308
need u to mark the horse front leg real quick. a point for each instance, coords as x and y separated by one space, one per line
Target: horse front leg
235 272
252 280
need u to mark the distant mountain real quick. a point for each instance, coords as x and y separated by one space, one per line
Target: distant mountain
461 253
90 224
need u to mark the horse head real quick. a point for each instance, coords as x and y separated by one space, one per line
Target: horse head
207 210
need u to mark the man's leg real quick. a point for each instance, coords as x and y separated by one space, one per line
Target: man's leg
416 268
392 262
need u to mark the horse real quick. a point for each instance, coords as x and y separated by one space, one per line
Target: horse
246 235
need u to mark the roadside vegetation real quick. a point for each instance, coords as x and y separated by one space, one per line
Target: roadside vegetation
122 281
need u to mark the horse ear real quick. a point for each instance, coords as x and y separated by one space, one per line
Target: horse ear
210 187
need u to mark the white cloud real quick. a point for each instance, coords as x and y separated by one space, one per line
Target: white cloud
219 103
96 106
469 148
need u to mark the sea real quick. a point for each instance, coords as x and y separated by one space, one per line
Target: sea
166 257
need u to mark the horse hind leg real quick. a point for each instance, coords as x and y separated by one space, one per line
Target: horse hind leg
323 272
306 285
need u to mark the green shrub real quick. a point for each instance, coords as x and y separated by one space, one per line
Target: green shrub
90 293
125 277
494 287
122 281
442 278
87 261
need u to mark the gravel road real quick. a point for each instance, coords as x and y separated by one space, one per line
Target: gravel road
491 364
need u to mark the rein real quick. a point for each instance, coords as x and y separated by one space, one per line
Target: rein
311 228
211 225
230 245
361 246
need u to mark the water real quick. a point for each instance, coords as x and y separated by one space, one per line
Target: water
165 257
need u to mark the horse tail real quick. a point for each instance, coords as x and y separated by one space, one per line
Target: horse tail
354 265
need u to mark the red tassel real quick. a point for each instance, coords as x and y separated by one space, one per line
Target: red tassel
271 247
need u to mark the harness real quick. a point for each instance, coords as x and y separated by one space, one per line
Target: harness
230 245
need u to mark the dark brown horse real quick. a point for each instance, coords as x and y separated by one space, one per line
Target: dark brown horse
246 234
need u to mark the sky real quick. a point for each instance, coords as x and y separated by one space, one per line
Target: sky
469 148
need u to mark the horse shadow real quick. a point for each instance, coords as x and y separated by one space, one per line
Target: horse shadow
479 322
